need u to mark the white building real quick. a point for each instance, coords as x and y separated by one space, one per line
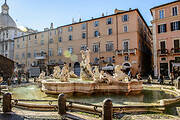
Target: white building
8 31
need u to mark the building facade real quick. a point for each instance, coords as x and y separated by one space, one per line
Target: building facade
166 38
8 31
122 38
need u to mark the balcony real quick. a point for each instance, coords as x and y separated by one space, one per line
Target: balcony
129 51
175 51
162 52
41 56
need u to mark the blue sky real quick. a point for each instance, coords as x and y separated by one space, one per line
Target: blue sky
38 14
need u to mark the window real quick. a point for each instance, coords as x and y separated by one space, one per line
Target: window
109 59
125 18
175 26
50 53
18 46
70 49
161 14
59 51
17 57
83 47
70 37
96 23
125 46
163 47
35 36
109 46
83 35
95 47
110 31
163 59
84 26
23 55
6 47
96 59
176 46
125 28
162 28
29 55
109 21
29 37
174 11
42 42
70 29
60 39
51 40
96 34
126 58
60 30
35 53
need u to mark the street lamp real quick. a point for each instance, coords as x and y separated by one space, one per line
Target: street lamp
99 47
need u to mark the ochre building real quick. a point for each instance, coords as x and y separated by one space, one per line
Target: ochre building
166 38
122 38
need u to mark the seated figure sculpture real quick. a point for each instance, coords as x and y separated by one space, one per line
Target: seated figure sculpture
96 74
42 75
86 73
120 75
64 76
56 72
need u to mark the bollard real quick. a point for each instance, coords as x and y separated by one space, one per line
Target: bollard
7 102
107 112
61 104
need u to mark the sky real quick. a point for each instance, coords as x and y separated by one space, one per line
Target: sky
38 14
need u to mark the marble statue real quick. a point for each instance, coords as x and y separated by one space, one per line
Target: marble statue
64 76
120 75
72 75
96 74
86 73
42 75
56 72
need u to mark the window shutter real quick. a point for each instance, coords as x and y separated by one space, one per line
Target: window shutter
171 26
165 28
158 28
178 25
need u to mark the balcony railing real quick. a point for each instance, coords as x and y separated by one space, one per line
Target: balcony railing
162 51
41 56
129 51
175 51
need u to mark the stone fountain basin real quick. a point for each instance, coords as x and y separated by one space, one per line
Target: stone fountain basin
90 87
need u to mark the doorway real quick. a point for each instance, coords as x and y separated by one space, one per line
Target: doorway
164 69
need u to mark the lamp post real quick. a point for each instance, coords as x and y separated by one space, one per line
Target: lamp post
99 47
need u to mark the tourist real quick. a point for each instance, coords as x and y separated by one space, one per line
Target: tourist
149 79
171 77
161 79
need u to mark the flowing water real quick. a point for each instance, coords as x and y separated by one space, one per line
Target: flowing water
147 96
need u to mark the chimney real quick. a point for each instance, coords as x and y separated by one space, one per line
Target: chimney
73 20
102 14
51 26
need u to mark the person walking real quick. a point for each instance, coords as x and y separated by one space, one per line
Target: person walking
171 77
161 79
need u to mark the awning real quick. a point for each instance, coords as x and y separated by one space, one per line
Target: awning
176 64
108 68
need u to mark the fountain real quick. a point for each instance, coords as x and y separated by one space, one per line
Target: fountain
91 81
